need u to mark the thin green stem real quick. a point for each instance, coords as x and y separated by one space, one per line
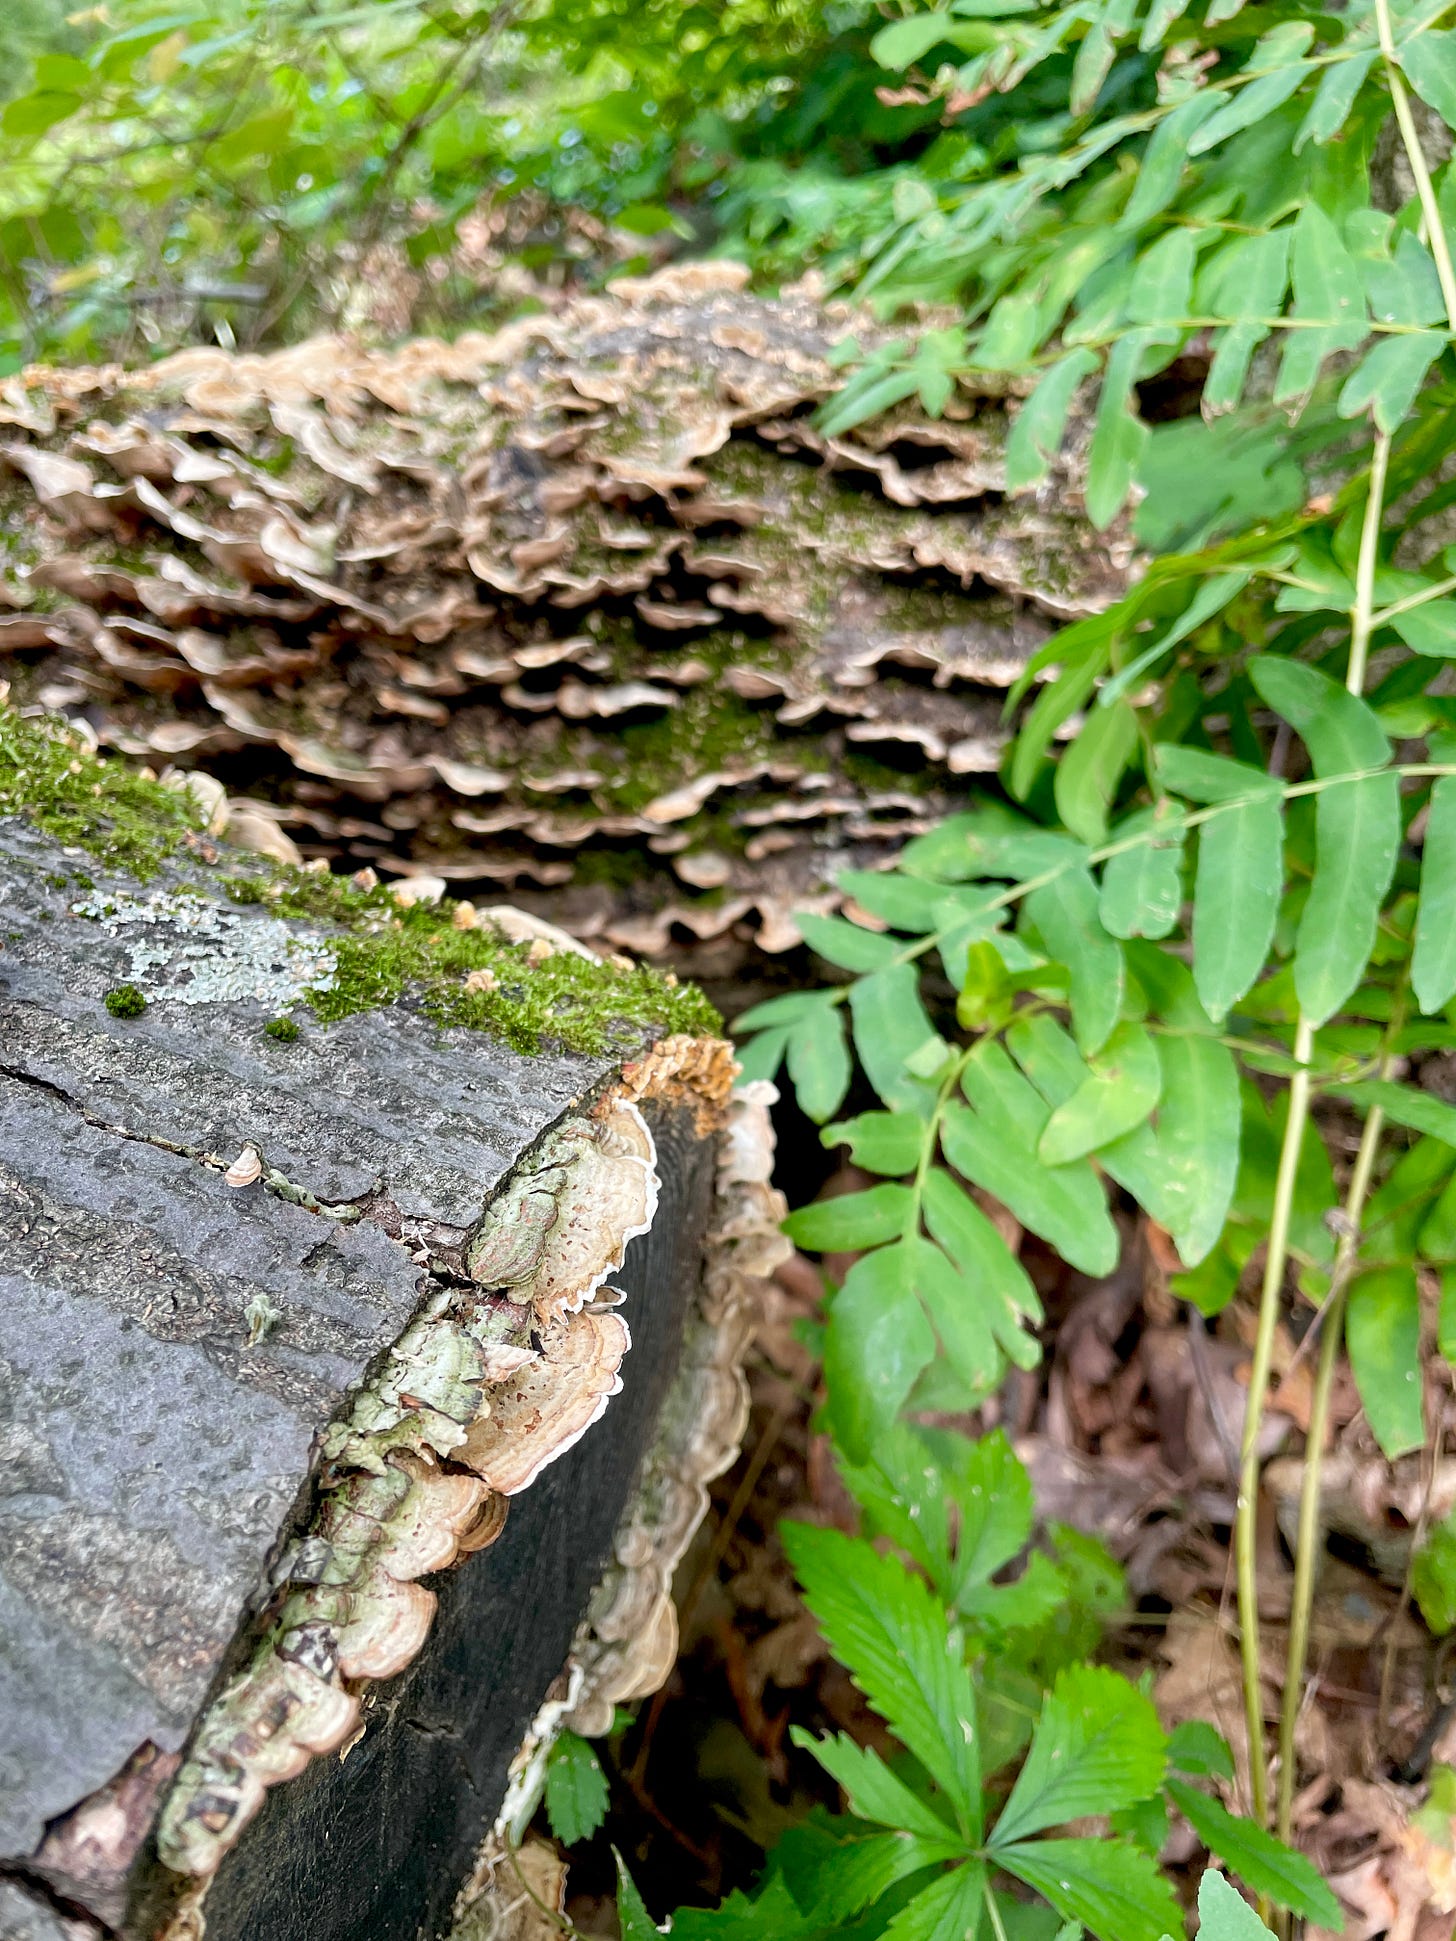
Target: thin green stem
1415 154
1307 1542
998 1926
1245 1529
1361 614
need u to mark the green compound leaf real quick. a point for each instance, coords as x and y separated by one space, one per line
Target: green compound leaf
947 1910
886 1627
1224 1914
1120 1092
1142 885
996 1280
576 1789
847 944
1065 911
1089 772
1433 963
876 1343
1357 830
1429 61
1036 435
884 1142
819 1063
994 1147
851 1220
875 1792
1268 1865
1383 1335
1115 1889
1097 1747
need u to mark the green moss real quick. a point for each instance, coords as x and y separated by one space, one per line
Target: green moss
52 779
124 1001
283 1029
381 950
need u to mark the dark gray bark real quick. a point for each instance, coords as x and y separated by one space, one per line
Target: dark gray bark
172 1349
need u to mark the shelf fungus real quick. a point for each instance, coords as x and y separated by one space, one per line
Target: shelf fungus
283 1603
515 609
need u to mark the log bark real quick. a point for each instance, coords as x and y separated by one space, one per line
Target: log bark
306 1351
590 608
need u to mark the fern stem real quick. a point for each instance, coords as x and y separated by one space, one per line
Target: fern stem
1307 1539
1416 155
1246 1526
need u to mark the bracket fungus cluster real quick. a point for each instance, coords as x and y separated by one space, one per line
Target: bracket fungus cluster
588 607
348 1304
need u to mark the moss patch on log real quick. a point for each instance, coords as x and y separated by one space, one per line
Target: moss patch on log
461 976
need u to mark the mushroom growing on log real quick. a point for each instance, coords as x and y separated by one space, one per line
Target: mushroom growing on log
366 1343
588 608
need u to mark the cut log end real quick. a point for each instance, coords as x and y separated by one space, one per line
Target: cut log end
364 1389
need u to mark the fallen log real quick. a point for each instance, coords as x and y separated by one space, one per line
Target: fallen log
591 607
371 1302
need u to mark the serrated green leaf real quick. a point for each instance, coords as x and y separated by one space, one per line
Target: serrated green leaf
1066 1205
1142 885
1196 1747
1089 773
996 1276
946 1910
875 1793
1433 962
1065 911
847 944
850 1221
990 1487
1266 1864
632 1916
576 1789
1121 1091
848 1874
1097 1747
818 1058
1357 830
884 1142
1037 430
1383 1337
1429 62
886 1628
1114 1888
1224 1914
876 1343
